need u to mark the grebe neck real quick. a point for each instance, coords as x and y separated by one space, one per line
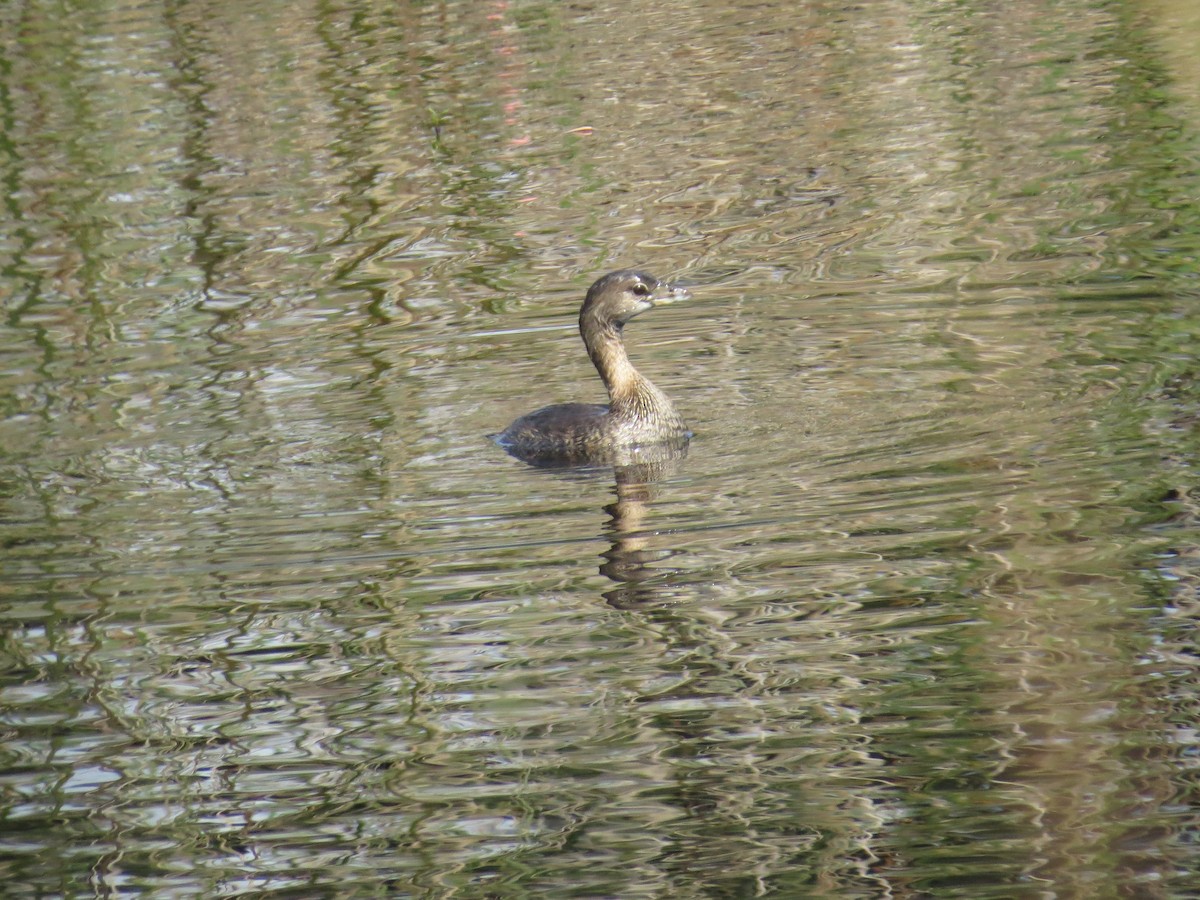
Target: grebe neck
631 394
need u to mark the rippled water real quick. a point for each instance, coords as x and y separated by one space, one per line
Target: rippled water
915 616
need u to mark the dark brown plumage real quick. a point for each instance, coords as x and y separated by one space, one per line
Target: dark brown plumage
638 414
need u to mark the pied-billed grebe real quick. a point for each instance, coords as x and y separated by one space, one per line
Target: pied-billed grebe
638 415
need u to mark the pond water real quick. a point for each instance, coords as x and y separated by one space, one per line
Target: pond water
915 615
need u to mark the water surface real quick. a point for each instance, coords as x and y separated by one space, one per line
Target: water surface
913 618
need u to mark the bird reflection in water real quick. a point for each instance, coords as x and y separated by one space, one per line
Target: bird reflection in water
630 559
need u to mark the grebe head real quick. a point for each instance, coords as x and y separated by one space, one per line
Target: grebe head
619 296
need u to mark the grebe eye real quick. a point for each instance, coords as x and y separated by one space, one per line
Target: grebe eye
641 290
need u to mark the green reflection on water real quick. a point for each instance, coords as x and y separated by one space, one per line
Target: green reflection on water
913 616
